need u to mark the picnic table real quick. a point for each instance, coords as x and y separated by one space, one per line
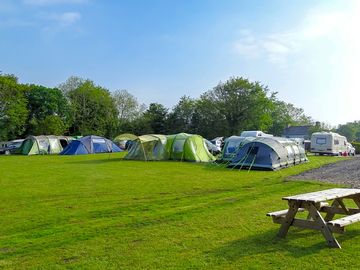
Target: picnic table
316 203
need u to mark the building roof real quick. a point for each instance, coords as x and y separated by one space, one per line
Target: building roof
297 130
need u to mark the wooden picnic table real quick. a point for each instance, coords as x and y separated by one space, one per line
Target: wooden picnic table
316 203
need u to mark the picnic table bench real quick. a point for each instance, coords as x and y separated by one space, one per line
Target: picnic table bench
316 203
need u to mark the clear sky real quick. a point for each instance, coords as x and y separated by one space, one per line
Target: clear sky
159 50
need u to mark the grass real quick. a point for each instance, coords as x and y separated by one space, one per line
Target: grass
101 212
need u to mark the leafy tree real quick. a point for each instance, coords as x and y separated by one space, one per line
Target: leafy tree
71 84
50 125
242 104
286 114
156 116
127 105
44 102
349 130
94 110
181 117
13 111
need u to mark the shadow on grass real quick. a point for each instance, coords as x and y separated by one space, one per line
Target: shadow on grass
96 161
298 243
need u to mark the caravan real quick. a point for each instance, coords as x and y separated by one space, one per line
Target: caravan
328 143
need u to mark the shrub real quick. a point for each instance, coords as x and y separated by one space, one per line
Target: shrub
357 147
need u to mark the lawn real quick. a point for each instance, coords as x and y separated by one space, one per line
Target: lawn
101 212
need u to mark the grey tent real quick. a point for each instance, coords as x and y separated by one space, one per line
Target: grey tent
269 153
232 146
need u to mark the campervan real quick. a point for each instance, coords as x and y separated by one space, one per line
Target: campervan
328 143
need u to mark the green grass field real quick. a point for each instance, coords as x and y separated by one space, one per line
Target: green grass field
101 212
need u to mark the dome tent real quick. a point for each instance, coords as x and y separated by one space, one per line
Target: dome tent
147 148
90 145
124 141
188 147
271 153
40 145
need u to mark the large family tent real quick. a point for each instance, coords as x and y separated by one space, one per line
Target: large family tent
269 153
90 145
188 147
232 146
40 145
148 147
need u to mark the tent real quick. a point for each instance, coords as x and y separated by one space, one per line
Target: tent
269 153
90 145
148 147
39 145
188 147
232 146
125 140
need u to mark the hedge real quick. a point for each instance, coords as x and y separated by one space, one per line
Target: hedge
357 147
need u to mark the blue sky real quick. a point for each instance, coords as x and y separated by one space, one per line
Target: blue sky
306 50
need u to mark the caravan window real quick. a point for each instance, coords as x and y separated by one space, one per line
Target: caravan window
320 140
336 142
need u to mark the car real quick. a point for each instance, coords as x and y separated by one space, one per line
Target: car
350 149
11 147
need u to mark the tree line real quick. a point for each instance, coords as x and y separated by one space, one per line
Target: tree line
80 107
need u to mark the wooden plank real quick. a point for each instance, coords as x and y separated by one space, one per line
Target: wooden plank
293 208
342 222
339 211
282 212
323 195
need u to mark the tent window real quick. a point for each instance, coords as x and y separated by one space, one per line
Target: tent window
253 150
44 146
100 147
178 146
63 143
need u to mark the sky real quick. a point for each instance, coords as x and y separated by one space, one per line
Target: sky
305 50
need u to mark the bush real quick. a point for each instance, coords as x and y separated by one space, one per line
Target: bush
357 147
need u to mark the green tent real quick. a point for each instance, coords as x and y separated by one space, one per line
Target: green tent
40 145
148 147
125 137
188 147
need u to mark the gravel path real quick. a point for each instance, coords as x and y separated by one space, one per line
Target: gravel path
343 172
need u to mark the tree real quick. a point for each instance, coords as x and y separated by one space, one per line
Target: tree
94 110
44 102
50 125
13 111
156 116
181 117
348 130
286 114
127 106
242 104
71 84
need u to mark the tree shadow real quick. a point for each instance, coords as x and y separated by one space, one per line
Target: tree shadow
298 243
96 161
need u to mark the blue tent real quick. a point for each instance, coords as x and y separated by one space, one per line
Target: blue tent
90 145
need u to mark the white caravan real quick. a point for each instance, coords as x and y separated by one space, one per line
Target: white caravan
328 143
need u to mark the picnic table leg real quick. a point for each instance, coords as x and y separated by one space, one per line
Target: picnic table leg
357 200
330 216
315 214
293 208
